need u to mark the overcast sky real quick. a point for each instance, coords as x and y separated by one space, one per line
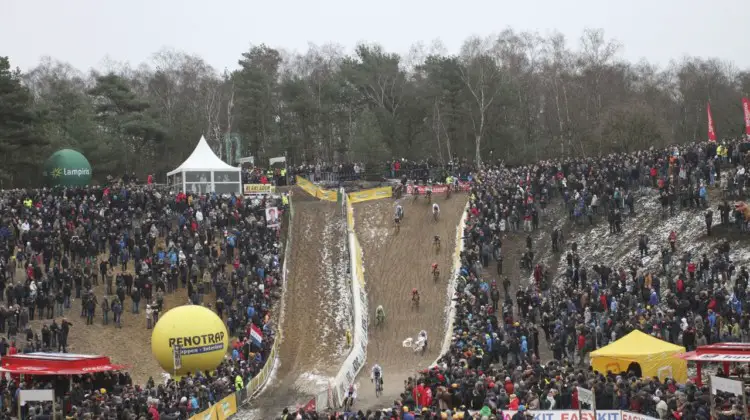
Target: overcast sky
84 32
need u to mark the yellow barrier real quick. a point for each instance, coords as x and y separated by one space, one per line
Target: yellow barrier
209 414
349 215
260 378
371 194
315 191
258 189
308 186
327 195
226 407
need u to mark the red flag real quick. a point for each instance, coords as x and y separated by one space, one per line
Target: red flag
310 406
711 128
746 108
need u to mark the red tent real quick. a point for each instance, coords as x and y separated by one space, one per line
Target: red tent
56 364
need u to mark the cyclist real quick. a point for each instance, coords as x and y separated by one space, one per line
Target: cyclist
436 241
399 212
380 314
428 190
349 399
414 296
435 270
435 209
377 376
376 373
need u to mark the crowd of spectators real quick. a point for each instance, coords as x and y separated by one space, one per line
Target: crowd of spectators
112 248
512 352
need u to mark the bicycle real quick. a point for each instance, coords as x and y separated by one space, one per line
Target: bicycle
428 193
379 387
435 274
379 319
415 193
415 301
397 225
435 214
448 192
436 244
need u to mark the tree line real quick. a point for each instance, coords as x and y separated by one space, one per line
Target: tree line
515 96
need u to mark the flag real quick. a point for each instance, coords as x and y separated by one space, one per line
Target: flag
746 108
711 127
256 335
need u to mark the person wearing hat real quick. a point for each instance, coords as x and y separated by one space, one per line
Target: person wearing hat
520 414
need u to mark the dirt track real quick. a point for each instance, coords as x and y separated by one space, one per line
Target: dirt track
316 308
394 264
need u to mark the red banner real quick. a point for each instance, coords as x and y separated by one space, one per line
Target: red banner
746 108
437 189
711 127
310 406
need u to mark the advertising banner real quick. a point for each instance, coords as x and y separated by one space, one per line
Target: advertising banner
575 415
371 194
437 189
308 186
226 407
327 195
209 414
257 189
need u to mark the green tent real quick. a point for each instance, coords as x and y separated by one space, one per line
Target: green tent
67 168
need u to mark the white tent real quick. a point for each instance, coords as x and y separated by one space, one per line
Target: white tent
203 172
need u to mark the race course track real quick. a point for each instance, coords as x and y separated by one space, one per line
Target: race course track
395 263
317 309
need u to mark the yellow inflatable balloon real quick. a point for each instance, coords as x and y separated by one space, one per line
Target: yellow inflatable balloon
199 335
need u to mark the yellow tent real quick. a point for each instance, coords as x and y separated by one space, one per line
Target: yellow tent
656 357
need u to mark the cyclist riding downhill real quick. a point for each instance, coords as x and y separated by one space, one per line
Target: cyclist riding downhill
435 272
398 216
351 395
376 376
415 298
415 191
380 315
435 211
428 193
436 243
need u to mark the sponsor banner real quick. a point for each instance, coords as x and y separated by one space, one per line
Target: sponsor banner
746 108
627 415
209 414
308 186
371 194
575 415
255 189
358 354
327 195
437 189
315 191
226 408
725 385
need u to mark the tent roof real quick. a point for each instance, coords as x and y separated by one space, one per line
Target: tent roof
637 343
203 159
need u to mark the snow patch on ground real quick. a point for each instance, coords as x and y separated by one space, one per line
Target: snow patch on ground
597 246
337 293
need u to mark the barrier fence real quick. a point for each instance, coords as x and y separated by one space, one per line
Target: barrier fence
316 191
578 415
451 310
356 359
222 410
